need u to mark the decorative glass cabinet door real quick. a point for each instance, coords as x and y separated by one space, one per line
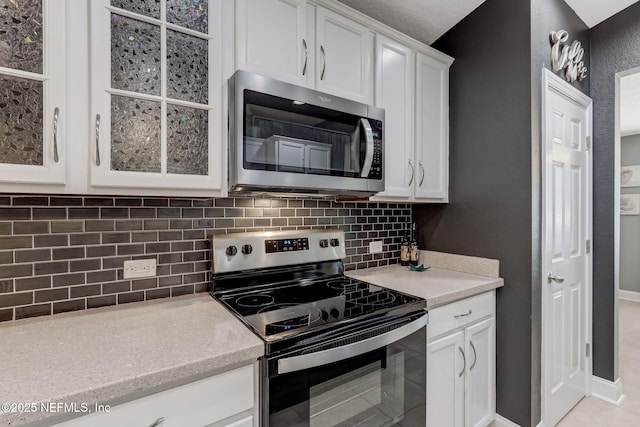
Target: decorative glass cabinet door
32 92
156 94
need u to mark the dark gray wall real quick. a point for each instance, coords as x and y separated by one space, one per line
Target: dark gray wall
494 208
615 47
546 16
489 213
630 224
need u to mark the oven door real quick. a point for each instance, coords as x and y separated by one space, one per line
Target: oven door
375 377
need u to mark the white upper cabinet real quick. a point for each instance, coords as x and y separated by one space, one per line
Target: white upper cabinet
305 44
432 130
412 86
344 52
33 145
155 95
272 39
394 91
145 109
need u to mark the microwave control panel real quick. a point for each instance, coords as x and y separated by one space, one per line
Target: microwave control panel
376 165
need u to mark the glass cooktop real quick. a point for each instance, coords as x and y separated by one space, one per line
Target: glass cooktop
307 305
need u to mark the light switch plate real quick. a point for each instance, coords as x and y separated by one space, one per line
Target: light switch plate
375 247
140 268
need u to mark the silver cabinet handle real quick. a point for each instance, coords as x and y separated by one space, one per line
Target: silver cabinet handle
468 313
304 67
368 157
158 422
464 359
324 357
412 173
56 112
475 356
97 139
422 170
551 278
324 62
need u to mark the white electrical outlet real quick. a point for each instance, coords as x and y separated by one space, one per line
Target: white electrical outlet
375 247
139 268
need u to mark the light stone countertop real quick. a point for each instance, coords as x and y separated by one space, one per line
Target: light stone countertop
438 286
114 354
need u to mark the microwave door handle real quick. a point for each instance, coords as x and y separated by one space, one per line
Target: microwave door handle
324 357
368 157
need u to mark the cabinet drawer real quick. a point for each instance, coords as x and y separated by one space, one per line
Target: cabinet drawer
195 404
460 313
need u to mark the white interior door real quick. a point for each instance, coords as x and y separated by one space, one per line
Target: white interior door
566 286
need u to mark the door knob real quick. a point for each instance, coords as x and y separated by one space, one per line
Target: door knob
551 278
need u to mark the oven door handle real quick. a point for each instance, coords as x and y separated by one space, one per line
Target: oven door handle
324 357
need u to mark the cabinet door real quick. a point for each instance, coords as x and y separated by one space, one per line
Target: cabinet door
432 130
271 37
445 381
156 95
290 154
394 91
344 54
318 157
480 351
32 92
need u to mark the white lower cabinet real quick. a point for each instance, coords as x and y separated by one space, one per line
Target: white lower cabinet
226 399
461 363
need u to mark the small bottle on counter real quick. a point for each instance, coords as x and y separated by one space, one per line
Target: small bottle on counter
404 250
414 253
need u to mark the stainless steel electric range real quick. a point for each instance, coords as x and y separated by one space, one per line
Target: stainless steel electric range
338 351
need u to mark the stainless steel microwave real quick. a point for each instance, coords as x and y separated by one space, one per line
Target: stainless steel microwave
287 138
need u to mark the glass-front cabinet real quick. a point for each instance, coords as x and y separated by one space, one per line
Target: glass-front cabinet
156 103
32 91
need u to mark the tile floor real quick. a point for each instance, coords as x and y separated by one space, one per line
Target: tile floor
597 413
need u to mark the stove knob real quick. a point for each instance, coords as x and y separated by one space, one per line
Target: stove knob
324 315
335 242
231 250
247 249
335 313
324 243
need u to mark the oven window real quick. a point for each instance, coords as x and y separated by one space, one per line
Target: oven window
288 136
358 397
385 387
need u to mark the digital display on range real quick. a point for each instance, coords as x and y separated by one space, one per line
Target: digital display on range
286 245
287 325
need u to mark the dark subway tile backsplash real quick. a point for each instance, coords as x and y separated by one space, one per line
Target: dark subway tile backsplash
60 254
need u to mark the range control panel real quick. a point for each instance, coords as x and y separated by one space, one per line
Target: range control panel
264 249
286 245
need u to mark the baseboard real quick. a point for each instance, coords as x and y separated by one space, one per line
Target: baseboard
609 391
629 295
501 421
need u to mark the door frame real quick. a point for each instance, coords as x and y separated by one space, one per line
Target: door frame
617 165
551 82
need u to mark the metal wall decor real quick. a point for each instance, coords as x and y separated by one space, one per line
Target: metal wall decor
568 57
